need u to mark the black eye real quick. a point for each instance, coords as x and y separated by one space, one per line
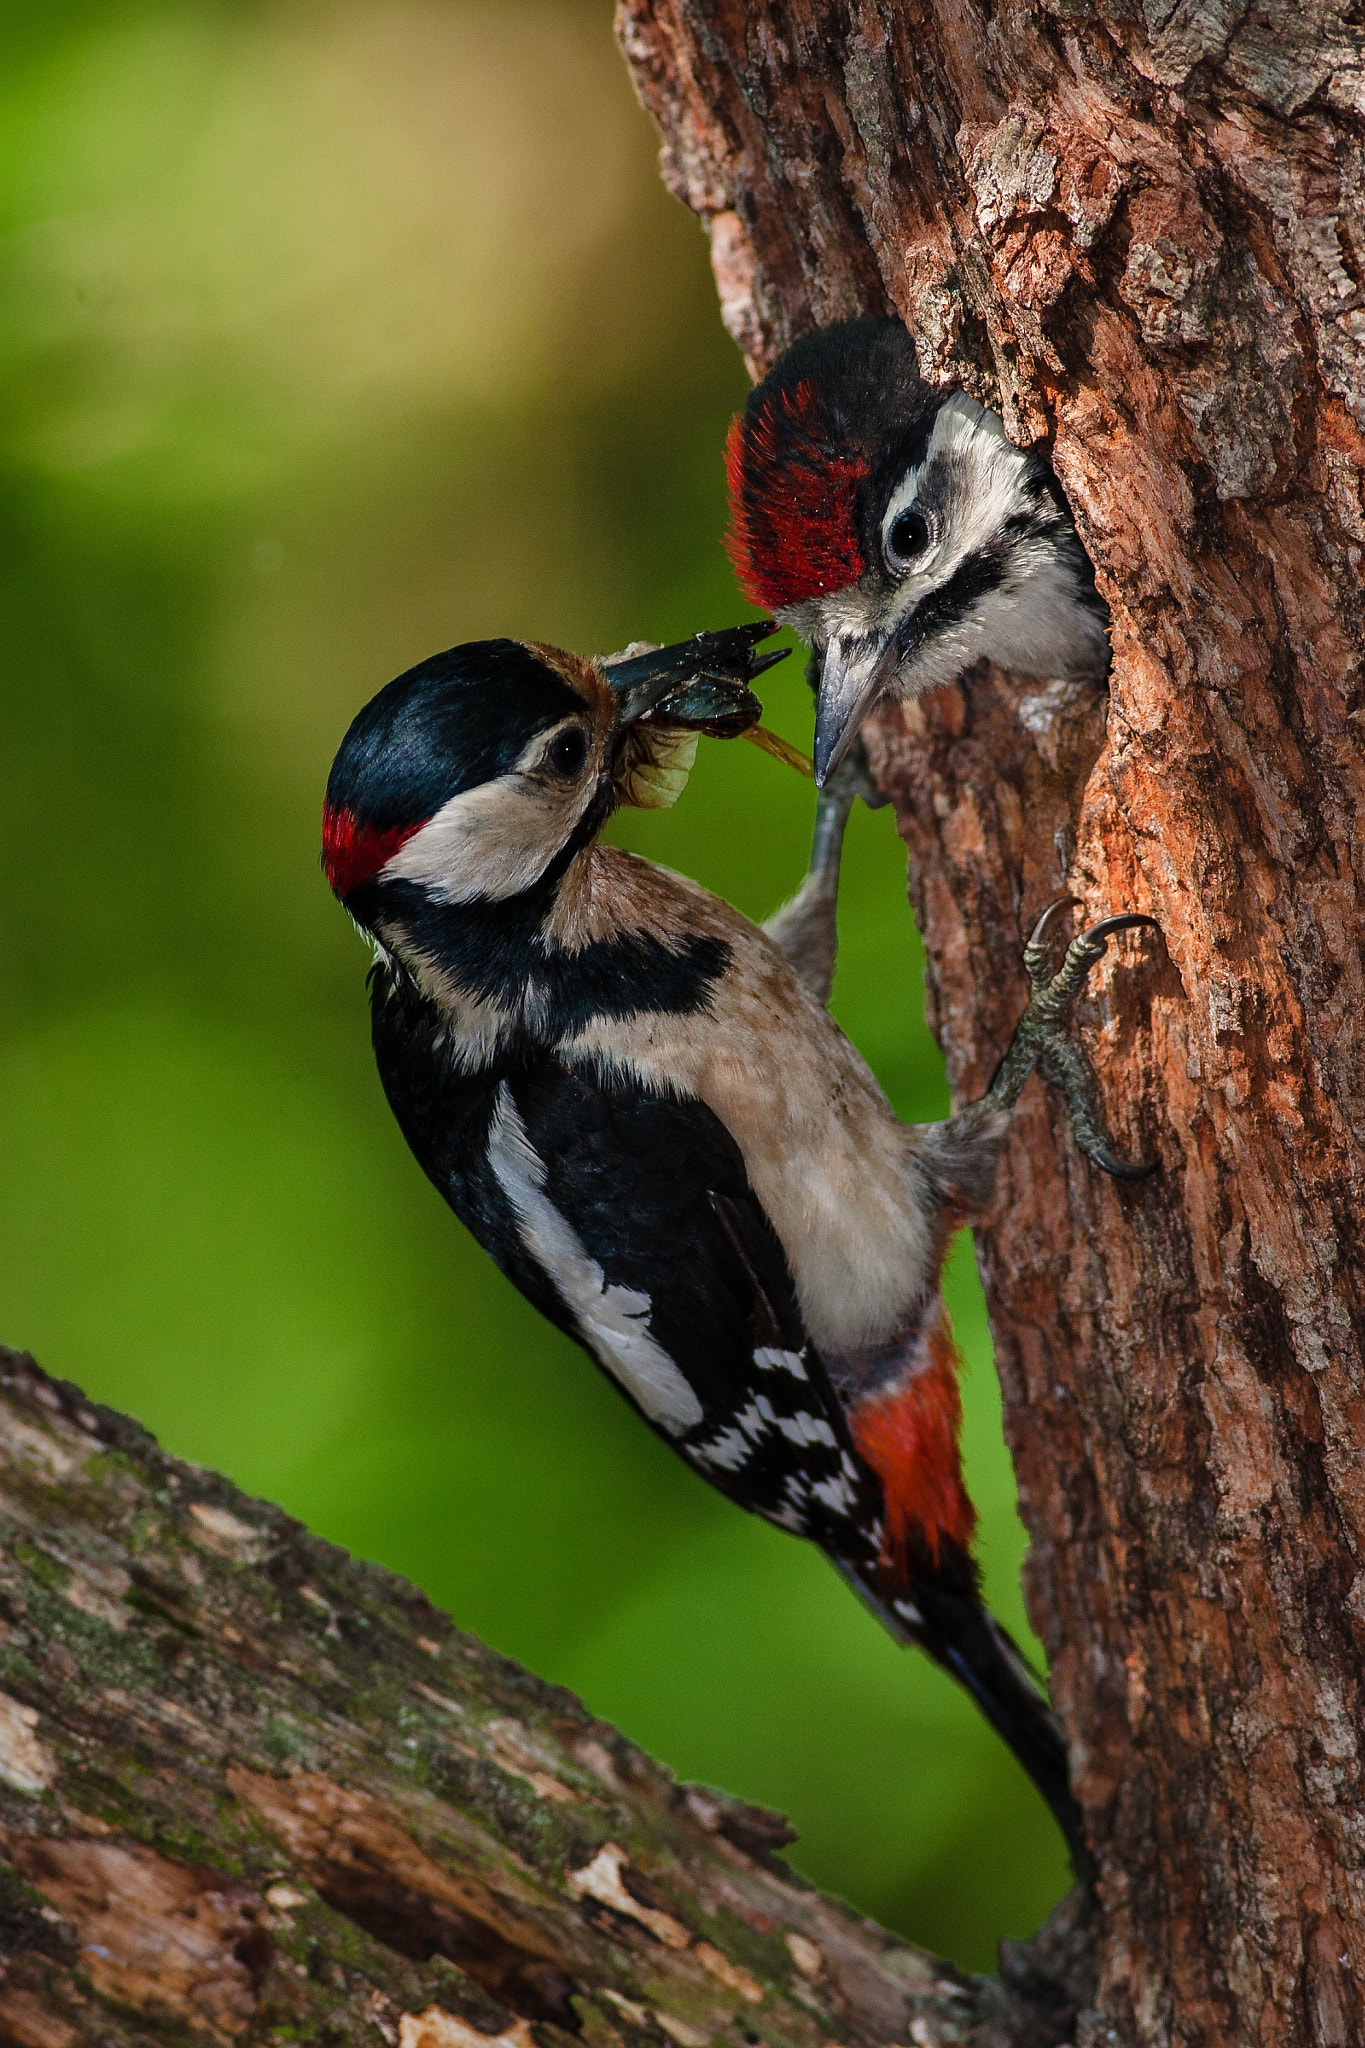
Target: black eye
567 751
906 537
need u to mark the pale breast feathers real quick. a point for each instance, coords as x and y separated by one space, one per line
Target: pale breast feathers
822 1147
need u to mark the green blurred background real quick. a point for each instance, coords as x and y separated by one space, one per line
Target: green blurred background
334 334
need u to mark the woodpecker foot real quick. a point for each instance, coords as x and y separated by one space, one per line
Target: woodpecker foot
1041 1039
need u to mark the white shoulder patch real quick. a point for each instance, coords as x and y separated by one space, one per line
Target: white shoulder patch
614 1320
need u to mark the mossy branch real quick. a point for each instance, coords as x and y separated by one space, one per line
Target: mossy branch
253 1790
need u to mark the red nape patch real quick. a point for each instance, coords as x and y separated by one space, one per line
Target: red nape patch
352 852
909 1436
793 493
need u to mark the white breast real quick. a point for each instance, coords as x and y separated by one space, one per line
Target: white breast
823 1149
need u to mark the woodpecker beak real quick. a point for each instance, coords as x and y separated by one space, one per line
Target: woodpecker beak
858 668
721 664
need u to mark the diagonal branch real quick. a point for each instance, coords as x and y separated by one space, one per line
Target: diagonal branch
253 1790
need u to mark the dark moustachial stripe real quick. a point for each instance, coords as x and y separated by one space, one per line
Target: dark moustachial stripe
496 951
1038 523
955 600
621 1208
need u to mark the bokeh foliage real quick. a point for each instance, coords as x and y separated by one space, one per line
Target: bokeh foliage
334 334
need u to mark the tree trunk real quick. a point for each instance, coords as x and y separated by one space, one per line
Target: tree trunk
1139 237
253 1791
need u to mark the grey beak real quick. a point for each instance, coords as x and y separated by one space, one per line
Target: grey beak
727 660
857 670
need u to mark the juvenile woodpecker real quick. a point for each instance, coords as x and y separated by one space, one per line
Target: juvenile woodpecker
900 532
638 1107
904 537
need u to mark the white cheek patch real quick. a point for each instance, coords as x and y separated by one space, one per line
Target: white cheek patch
614 1320
972 479
492 841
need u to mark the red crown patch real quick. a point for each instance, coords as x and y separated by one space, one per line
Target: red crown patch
793 503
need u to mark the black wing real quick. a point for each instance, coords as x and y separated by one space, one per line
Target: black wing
654 1191
446 1114
627 1219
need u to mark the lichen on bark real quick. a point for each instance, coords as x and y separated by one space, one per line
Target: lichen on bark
254 1791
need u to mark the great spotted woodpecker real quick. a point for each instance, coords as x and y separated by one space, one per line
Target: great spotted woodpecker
904 537
900 532
639 1108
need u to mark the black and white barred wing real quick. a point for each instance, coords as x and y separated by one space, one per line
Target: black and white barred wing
638 1211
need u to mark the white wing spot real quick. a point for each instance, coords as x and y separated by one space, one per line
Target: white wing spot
837 1494
730 1450
614 1320
768 1360
753 1421
806 1429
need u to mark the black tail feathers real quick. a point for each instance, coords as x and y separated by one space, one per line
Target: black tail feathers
965 1638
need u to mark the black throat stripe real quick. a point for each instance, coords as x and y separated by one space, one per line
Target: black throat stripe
497 953
955 600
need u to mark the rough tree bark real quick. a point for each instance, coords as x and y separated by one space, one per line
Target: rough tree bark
252 1791
1139 234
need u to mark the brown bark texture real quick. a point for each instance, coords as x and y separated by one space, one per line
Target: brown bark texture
1139 234
252 1791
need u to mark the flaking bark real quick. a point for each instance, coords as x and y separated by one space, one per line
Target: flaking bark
253 1791
1138 234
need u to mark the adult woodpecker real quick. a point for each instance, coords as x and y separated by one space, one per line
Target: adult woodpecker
904 537
633 1100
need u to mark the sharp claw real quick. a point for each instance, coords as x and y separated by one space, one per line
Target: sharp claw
1061 903
1035 952
1081 955
1126 921
1041 1042
1121 1169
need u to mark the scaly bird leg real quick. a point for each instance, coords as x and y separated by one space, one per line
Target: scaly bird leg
1041 1039
806 928
962 1151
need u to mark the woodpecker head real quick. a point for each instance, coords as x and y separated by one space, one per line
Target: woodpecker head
899 531
479 774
